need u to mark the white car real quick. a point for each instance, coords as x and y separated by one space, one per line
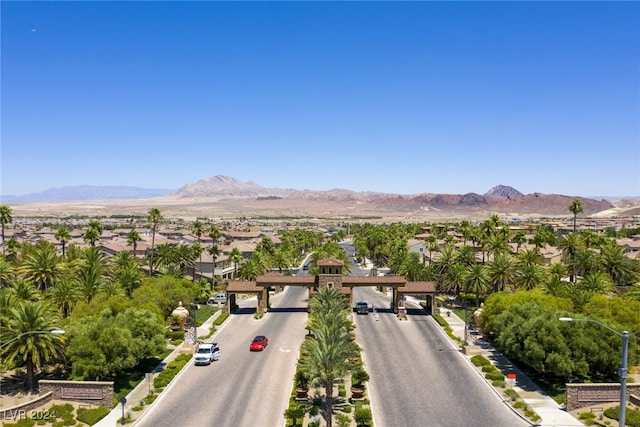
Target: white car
218 299
207 353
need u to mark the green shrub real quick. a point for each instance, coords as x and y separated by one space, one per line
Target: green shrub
586 416
495 376
342 390
362 415
343 420
93 415
529 413
489 368
498 384
314 410
512 394
346 409
632 416
174 335
480 360
221 318
520 404
440 320
24 422
317 401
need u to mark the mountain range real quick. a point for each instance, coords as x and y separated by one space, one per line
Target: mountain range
226 194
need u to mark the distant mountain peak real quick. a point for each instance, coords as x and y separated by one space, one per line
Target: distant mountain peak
503 191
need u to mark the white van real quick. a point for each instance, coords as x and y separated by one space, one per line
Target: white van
217 299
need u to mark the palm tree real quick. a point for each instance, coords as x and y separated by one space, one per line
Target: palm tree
92 270
529 276
65 295
34 349
63 236
5 218
326 356
42 266
214 252
619 267
24 290
133 237
198 231
235 257
93 233
501 270
155 217
7 272
575 208
570 245
251 269
476 281
129 277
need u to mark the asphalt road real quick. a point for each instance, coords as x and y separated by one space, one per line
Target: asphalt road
243 388
418 377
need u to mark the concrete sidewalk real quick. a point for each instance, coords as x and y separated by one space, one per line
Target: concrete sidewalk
551 414
141 391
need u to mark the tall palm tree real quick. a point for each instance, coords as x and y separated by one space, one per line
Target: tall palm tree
63 236
476 281
5 218
214 252
34 349
198 231
155 217
92 270
235 257
133 237
570 245
326 356
575 208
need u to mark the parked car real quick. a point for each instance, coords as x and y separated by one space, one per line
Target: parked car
217 299
259 343
207 353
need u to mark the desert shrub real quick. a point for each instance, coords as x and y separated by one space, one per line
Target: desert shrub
530 413
512 394
93 415
520 404
586 416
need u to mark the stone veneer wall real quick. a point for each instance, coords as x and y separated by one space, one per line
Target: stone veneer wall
90 392
589 395
23 410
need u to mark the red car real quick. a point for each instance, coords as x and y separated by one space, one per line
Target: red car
259 343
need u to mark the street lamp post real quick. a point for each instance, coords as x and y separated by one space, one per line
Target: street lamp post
17 337
622 372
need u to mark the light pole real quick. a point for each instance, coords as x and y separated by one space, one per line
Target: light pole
622 372
17 337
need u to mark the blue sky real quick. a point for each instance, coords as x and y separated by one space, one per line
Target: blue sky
397 97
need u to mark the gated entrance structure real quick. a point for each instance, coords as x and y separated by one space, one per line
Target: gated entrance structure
330 274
